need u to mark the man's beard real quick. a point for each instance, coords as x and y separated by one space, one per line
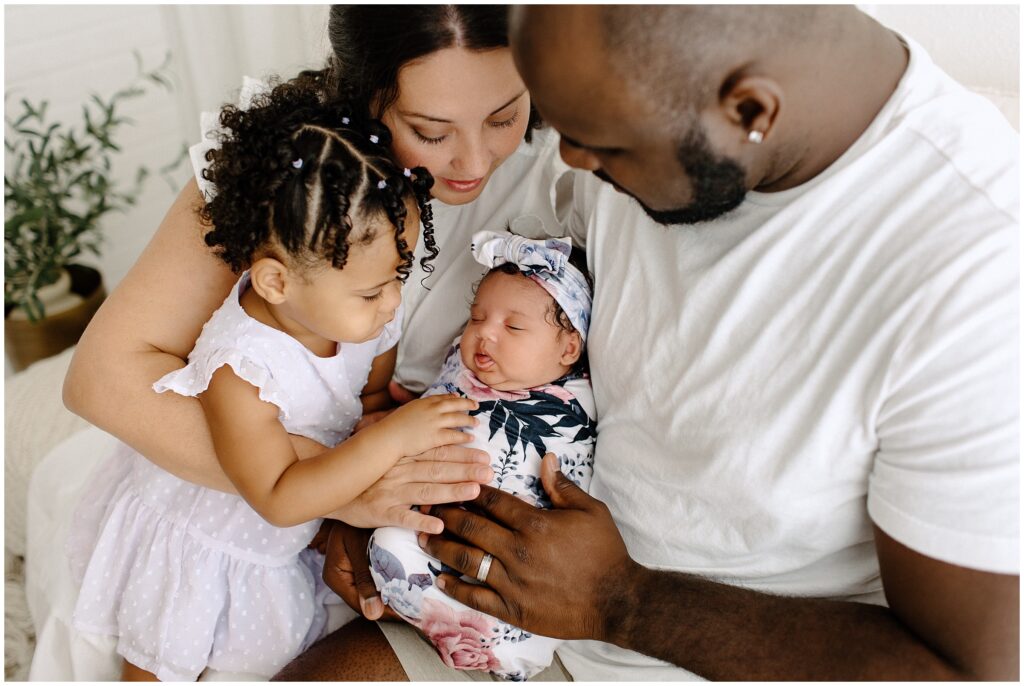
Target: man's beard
719 183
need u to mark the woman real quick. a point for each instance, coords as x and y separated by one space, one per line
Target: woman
442 79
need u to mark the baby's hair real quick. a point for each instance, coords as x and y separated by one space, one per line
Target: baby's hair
294 173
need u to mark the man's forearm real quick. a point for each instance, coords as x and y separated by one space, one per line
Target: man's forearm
725 633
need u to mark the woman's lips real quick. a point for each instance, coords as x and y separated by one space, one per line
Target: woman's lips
462 186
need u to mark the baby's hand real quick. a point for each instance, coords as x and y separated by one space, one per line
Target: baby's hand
431 422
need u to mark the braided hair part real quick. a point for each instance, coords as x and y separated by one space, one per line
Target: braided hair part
294 173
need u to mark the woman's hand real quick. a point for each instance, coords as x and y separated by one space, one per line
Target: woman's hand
442 475
427 423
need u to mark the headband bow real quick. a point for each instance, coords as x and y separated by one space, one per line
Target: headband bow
544 261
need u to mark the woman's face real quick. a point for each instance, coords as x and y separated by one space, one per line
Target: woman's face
459 113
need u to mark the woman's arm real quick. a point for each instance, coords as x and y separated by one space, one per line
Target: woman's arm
146 329
375 397
254 449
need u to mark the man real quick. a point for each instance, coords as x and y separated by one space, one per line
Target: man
804 352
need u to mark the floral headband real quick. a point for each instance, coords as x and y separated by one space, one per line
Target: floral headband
544 261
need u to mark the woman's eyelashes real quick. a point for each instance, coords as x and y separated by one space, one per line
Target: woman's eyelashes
506 123
428 139
435 140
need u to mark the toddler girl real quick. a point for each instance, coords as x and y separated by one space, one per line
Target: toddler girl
521 357
323 225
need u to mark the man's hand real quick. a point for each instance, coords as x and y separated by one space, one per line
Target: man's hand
443 475
347 570
565 573
555 572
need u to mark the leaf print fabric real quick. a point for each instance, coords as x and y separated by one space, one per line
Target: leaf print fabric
516 429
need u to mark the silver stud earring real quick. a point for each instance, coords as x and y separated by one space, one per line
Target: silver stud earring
755 137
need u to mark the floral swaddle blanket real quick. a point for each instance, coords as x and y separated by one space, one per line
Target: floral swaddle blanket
516 429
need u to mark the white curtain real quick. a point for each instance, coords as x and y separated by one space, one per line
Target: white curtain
215 45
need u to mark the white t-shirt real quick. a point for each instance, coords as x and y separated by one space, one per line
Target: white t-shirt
840 353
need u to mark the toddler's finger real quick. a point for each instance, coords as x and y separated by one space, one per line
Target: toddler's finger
456 419
453 436
455 403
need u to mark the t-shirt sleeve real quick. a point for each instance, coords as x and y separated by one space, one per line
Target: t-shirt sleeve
946 476
210 130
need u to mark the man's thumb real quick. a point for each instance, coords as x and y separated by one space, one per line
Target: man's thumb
562 491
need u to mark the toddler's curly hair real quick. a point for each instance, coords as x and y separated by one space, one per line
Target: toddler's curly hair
294 172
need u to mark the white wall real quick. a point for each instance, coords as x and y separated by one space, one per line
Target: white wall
64 53
979 45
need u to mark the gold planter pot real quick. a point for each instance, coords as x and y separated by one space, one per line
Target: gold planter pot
28 342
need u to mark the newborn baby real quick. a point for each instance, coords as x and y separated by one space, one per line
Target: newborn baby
521 356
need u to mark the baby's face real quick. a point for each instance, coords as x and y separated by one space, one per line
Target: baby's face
511 342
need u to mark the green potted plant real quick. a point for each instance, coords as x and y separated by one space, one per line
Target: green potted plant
58 187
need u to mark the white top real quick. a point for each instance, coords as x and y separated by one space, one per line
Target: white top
318 397
840 353
521 193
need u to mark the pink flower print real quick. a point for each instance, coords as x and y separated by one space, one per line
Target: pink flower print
558 391
478 390
462 639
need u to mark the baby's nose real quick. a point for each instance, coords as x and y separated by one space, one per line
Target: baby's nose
486 333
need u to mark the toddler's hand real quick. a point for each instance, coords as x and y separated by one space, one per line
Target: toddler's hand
430 422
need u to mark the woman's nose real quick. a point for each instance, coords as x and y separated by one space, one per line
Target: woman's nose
472 158
578 157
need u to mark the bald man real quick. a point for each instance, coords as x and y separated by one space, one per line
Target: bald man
804 350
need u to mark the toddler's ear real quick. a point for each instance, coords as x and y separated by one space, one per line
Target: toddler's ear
572 348
269 278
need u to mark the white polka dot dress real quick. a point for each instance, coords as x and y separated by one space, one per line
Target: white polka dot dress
189 577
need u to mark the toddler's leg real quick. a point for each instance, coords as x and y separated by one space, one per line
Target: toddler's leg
132 673
463 637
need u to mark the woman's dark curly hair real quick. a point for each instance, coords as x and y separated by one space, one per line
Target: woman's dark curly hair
296 173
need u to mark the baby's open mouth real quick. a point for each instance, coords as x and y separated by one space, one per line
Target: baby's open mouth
483 361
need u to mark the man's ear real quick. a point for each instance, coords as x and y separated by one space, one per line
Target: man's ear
270 279
750 104
572 349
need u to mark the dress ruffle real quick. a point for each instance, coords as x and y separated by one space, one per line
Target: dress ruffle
194 378
198 605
